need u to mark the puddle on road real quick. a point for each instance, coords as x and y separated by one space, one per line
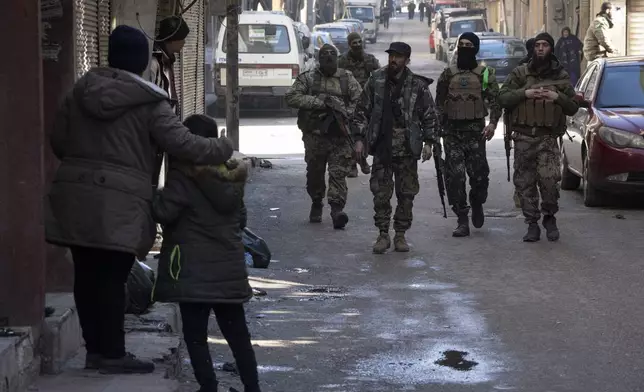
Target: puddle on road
456 360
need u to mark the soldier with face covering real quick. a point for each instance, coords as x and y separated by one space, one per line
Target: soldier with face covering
361 65
538 96
315 93
461 93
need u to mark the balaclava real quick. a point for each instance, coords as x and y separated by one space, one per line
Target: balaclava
356 51
328 59
466 57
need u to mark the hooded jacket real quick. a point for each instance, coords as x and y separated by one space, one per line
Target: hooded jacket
106 134
202 212
596 36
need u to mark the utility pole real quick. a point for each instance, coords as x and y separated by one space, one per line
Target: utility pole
232 71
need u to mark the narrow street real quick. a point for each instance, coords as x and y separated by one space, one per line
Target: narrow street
542 317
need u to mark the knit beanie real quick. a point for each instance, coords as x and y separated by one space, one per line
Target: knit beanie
545 37
352 37
201 125
128 50
173 28
529 45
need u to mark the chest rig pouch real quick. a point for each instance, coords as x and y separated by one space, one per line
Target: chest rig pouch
309 120
538 112
465 95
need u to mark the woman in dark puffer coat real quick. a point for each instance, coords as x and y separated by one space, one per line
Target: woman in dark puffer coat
202 263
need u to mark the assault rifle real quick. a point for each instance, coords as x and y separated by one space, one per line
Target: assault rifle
342 124
439 164
507 139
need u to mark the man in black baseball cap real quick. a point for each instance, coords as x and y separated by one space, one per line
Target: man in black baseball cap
392 127
399 54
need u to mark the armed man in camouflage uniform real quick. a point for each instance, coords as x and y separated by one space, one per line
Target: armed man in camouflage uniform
315 93
361 65
461 93
394 116
539 96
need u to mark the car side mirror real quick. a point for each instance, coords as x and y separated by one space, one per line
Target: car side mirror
306 42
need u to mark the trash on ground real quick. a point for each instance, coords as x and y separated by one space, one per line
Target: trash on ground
620 216
138 289
275 209
257 247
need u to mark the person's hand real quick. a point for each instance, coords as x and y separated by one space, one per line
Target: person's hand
532 93
359 147
549 95
427 152
488 131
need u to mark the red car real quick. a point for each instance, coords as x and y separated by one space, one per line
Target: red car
607 146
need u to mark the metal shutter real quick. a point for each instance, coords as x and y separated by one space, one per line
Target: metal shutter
192 62
635 27
104 29
87 33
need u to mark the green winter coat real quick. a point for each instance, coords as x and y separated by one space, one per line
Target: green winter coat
202 257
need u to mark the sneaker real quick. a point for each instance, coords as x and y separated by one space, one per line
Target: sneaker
129 364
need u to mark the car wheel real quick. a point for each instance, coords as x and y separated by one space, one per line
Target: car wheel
569 180
592 196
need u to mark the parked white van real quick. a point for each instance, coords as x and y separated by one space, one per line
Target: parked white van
271 55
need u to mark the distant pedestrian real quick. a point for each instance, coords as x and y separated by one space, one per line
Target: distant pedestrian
569 53
421 10
597 34
386 15
99 205
411 8
202 257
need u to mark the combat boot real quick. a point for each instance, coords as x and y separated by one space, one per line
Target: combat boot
315 216
400 243
353 173
550 224
382 243
533 234
463 228
339 217
478 215
364 166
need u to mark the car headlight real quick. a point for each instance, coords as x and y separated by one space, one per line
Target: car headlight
621 139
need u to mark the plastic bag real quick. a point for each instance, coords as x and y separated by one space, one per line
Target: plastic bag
257 247
138 289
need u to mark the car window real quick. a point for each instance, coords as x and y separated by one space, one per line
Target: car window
364 14
498 48
261 38
612 93
592 81
462 26
336 33
583 81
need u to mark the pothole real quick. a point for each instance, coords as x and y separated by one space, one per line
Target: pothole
456 360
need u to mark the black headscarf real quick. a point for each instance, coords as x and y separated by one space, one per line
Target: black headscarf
466 57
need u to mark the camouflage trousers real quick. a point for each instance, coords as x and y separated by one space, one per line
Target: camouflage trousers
465 155
537 170
401 176
320 151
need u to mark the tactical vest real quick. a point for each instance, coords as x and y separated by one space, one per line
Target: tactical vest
309 120
363 69
465 95
537 112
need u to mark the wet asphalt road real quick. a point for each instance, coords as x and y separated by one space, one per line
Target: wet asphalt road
543 317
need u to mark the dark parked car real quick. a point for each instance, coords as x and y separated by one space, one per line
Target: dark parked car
499 52
338 32
607 148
